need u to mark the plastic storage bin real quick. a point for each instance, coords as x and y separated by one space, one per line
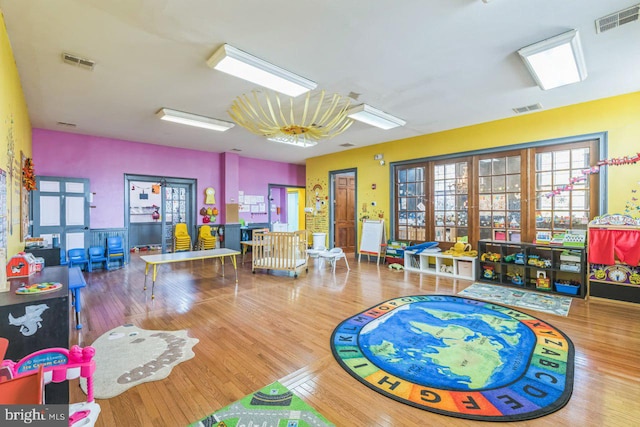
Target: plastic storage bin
567 288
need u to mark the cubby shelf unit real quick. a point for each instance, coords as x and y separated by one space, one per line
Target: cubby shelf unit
564 266
459 267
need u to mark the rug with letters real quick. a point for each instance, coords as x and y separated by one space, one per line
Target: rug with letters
459 357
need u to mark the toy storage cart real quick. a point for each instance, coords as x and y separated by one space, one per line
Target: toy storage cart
35 322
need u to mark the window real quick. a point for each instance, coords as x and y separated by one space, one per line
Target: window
503 195
564 209
411 207
499 195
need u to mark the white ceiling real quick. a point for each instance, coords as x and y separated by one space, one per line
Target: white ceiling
438 64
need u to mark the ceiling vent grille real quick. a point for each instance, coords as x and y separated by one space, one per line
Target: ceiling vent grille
528 108
347 144
77 61
616 19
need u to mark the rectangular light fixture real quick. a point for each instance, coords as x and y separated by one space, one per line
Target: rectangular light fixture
374 117
557 61
240 64
193 120
298 142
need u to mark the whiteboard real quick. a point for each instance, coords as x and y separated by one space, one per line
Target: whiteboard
373 235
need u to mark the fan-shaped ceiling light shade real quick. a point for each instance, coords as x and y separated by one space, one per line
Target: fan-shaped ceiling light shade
299 121
557 61
240 64
193 120
372 116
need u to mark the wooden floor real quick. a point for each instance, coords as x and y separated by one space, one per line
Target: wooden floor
272 327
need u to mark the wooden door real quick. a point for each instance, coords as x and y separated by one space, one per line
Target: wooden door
344 225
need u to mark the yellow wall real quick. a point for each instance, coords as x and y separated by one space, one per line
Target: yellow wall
15 129
619 116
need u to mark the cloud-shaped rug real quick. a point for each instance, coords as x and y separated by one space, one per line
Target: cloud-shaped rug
127 356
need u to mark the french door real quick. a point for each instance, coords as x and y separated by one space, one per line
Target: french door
61 206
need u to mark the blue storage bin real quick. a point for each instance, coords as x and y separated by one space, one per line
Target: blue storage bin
566 288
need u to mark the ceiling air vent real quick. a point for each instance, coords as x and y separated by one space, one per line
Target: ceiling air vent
528 108
77 61
616 19
347 144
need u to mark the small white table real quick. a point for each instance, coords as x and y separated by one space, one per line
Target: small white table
154 260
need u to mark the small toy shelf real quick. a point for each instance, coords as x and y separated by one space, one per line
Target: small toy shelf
614 258
551 268
459 267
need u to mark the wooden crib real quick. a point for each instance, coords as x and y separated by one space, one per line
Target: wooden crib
286 251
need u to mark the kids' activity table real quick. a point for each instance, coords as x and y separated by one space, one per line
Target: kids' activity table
154 260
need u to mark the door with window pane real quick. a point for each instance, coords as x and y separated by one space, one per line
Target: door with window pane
499 197
451 201
411 207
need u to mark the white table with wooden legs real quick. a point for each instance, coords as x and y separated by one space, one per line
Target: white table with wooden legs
154 260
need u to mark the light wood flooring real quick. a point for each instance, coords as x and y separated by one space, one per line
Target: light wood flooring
271 327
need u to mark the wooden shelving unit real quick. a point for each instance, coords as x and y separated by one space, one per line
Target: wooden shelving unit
521 264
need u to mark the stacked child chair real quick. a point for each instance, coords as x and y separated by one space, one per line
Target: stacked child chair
181 238
205 239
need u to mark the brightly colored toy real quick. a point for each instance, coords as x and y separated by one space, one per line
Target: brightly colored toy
396 266
488 272
55 365
422 246
38 288
490 256
21 265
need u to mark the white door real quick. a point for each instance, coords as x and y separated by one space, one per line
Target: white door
292 211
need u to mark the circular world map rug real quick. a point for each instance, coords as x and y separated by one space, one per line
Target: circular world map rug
459 357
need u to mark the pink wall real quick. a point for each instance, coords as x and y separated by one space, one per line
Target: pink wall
104 162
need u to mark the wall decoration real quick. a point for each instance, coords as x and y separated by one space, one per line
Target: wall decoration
31 321
632 207
210 196
28 184
3 210
10 158
626 160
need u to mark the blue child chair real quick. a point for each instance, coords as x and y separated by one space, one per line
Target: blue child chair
115 250
96 255
78 257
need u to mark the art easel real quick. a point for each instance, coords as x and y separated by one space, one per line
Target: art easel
373 239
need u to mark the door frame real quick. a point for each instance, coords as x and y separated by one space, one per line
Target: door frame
332 195
285 186
192 184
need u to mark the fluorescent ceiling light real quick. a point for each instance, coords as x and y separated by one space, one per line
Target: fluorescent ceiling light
193 120
557 61
233 61
297 141
374 117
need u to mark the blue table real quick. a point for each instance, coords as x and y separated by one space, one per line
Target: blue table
76 283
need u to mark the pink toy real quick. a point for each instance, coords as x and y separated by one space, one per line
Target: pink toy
60 364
